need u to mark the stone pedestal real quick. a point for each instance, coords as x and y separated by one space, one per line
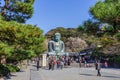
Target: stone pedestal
44 60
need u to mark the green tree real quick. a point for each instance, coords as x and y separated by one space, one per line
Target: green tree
80 28
20 41
5 49
91 27
17 10
107 11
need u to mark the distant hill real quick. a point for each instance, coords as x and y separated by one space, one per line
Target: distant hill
71 37
65 32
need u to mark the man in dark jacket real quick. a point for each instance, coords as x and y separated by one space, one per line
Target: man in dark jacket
38 64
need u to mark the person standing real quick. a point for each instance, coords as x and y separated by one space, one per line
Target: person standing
105 64
69 61
80 63
49 63
38 62
52 64
61 64
58 64
85 63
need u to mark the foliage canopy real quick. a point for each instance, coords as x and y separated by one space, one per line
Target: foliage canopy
107 11
20 41
17 10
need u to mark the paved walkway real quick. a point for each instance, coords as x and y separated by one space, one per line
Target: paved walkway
71 73
24 74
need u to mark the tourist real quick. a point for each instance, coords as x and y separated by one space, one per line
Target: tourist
69 61
62 64
80 63
58 64
105 64
98 67
52 64
37 64
85 63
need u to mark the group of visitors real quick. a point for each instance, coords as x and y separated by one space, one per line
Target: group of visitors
58 62
98 64
84 61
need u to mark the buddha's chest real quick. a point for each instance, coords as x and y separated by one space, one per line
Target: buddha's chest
57 44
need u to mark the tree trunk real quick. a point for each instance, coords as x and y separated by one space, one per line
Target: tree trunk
114 26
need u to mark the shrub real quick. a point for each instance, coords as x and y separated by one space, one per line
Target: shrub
117 35
115 59
12 68
3 70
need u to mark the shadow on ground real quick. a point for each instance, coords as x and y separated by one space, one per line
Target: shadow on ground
88 74
100 76
111 76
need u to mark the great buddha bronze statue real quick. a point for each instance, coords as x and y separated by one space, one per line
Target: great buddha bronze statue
56 46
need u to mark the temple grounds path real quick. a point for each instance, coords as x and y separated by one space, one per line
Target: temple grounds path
71 73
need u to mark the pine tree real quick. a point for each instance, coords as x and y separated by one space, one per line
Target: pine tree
107 11
17 10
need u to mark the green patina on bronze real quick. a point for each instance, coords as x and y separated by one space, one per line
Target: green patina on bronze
56 46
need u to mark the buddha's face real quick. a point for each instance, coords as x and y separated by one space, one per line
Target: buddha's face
57 36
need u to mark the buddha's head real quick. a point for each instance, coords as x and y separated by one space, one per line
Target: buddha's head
57 37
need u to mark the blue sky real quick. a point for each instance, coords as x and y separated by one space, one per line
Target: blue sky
49 14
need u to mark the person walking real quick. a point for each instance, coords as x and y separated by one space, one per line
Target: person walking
98 67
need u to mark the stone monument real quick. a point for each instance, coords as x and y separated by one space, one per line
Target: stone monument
56 46
44 61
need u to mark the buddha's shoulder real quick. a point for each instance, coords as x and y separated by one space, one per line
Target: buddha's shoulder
61 41
51 41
